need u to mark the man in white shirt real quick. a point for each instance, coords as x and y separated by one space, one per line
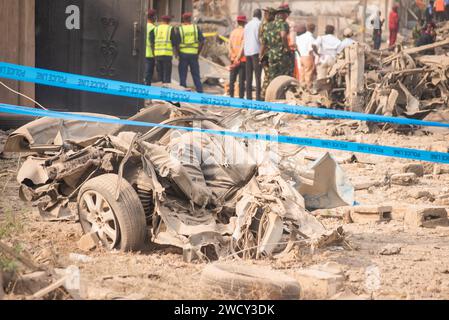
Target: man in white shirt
327 49
304 42
347 41
252 50
377 24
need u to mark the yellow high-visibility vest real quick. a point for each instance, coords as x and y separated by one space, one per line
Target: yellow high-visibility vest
162 41
149 52
189 39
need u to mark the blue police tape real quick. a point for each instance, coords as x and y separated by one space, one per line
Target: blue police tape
97 85
388 151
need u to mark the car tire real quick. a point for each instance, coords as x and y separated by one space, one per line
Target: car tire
278 88
127 219
248 282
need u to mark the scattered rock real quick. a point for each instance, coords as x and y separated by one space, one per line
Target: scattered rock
422 194
399 211
404 179
338 212
415 168
331 267
440 169
369 213
443 199
80 258
318 284
428 217
365 185
88 241
390 249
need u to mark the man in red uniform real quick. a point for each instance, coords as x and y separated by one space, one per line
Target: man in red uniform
393 25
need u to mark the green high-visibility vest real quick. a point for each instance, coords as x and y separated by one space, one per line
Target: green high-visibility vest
149 52
162 41
189 39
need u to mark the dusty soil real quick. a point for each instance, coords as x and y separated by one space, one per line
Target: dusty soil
419 271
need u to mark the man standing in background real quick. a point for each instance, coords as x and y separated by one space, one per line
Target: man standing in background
304 43
238 59
252 54
446 9
440 10
377 24
191 41
326 48
269 15
280 57
163 40
347 41
393 24
149 55
428 14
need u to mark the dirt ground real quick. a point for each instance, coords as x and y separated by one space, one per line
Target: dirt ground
419 271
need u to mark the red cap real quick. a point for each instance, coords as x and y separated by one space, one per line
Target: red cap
166 18
151 12
241 18
284 8
187 15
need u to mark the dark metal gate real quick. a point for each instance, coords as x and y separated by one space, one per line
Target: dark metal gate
109 44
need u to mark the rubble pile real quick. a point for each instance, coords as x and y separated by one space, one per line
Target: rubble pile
442 30
410 82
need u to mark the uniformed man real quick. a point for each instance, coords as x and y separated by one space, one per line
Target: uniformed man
149 55
191 41
276 43
269 15
163 40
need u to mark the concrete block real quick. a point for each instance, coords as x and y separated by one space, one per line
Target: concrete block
404 179
427 217
318 284
88 241
415 168
399 211
440 169
370 213
338 212
442 200
423 194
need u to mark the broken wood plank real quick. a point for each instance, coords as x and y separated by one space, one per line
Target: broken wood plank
55 285
415 50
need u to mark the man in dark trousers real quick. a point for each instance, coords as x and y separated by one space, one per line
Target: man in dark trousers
252 48
191 41
163 40
238 60
149 54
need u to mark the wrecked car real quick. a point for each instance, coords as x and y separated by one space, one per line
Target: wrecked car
206 194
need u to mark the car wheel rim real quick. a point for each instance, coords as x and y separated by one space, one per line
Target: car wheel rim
97 213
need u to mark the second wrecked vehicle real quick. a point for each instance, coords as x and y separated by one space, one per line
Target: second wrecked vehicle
203 193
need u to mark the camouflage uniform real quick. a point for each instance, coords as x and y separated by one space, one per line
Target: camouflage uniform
280 58
263 31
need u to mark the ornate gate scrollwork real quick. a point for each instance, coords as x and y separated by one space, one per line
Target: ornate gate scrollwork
108 47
